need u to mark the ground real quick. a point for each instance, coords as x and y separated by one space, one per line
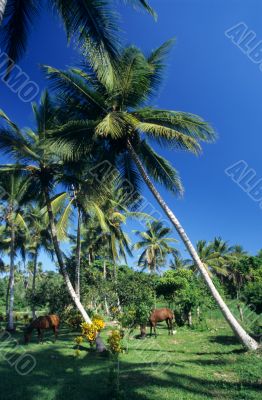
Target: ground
192 364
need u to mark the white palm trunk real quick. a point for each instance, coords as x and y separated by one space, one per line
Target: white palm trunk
60 260
242 335
3 4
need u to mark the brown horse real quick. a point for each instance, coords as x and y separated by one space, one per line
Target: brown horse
41 324
159 315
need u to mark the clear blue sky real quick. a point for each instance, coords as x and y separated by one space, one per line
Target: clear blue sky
207 75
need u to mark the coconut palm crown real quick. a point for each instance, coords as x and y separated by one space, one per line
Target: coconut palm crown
110 105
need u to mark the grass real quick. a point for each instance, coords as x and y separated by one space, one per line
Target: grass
191 364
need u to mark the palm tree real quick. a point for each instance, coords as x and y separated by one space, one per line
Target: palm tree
94 20
16 190
179 262
38 238
212 256
156 246
43 169
114 113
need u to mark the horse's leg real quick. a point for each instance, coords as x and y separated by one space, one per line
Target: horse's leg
39 334
155 329
168 325
42 336
55 330
151 329
171 326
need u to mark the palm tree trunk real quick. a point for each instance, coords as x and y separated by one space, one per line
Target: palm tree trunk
60 260
105 298
3 4
242 335
7 298
78 255
33 283
10 325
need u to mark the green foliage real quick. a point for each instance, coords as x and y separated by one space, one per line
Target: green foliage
184 291
253 295
50 293
136 295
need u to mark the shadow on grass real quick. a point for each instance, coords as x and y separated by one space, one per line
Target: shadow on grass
224 339
58 375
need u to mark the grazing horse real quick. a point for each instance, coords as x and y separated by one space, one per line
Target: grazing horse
159 315
41 324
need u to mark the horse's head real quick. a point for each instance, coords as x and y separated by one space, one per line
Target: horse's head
27 335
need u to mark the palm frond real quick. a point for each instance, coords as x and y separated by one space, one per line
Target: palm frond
90 19
159 168
18 20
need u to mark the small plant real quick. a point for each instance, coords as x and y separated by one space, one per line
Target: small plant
78 340
115 342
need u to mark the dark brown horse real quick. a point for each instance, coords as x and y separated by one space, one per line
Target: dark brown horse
41 324
159 315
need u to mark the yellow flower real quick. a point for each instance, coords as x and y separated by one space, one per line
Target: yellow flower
79 340
98 323
89 331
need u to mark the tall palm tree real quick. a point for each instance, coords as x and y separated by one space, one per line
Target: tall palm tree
39 238
43 169
94 20
16 191
156 246
114 113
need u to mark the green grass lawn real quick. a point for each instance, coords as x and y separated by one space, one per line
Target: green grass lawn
189 365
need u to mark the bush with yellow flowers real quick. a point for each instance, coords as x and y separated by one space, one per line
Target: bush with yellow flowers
114 342
89 331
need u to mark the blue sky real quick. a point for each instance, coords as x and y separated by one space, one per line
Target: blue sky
207 75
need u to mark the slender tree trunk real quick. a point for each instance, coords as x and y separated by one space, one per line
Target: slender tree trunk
105 298
242 335
60 260
189 318
78 255
7 298
198 313
104 269
10 325
33 283
3 4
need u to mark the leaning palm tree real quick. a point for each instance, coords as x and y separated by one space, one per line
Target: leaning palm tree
42 168
156 246
113 112
94 20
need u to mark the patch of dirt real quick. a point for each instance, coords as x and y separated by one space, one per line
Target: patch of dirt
227 376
